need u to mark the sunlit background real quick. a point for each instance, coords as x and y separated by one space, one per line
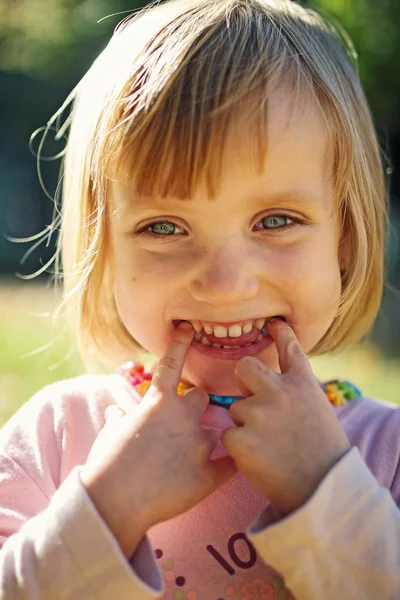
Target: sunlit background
45 48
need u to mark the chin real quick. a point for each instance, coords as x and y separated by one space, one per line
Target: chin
218 377
214 380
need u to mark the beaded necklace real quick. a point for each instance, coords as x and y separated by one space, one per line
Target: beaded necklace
337 391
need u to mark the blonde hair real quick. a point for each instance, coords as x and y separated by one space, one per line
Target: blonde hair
167 86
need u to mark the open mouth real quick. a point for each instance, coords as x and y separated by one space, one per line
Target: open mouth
230 336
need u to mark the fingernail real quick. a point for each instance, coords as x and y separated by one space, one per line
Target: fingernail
274 320
246 361
185 325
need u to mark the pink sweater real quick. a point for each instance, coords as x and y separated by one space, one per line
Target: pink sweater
344 543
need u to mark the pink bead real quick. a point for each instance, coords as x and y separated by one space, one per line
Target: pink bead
147 376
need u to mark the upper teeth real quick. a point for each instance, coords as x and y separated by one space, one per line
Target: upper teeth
235 330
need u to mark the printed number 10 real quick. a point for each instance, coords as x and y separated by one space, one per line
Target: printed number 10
232 553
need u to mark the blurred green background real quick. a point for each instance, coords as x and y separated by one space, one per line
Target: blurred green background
45 48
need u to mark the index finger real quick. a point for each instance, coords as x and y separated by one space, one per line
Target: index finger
291 354
168 372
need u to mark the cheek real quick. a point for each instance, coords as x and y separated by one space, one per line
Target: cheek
314 275
309 276
141 313
314 259
141 271
145 289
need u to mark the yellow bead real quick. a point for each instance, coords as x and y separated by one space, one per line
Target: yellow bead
331 387
339 399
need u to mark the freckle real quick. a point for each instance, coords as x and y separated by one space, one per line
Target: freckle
134 278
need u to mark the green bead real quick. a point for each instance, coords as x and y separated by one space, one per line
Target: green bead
343 385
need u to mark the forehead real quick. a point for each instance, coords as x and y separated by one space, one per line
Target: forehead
298 161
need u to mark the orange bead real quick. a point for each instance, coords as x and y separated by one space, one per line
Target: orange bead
143 387
182 389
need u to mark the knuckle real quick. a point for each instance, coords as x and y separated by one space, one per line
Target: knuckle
250 447
256 412
169 363
294 347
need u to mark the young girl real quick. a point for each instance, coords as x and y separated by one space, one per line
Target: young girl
224 209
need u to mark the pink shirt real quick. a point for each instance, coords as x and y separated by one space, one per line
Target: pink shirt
343 543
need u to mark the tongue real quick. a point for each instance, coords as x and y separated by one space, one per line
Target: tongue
245 338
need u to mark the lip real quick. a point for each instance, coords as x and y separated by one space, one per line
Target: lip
232 353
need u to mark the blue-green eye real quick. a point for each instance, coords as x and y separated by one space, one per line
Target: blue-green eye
271 223
162 228
276 222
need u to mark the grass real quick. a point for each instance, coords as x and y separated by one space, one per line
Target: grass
26 326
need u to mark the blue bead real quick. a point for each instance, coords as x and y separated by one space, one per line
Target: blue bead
224 401
356 389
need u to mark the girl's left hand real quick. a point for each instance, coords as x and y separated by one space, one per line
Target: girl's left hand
287 436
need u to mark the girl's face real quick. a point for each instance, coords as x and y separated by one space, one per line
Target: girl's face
266 246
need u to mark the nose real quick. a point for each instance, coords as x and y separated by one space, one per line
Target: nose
226 277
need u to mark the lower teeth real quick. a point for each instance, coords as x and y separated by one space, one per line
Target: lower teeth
260 337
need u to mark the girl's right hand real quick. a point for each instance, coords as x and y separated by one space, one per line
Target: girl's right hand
152 462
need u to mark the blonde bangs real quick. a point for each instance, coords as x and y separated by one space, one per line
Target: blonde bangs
158 109
168 139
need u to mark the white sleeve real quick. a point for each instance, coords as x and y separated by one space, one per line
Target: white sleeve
343 543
